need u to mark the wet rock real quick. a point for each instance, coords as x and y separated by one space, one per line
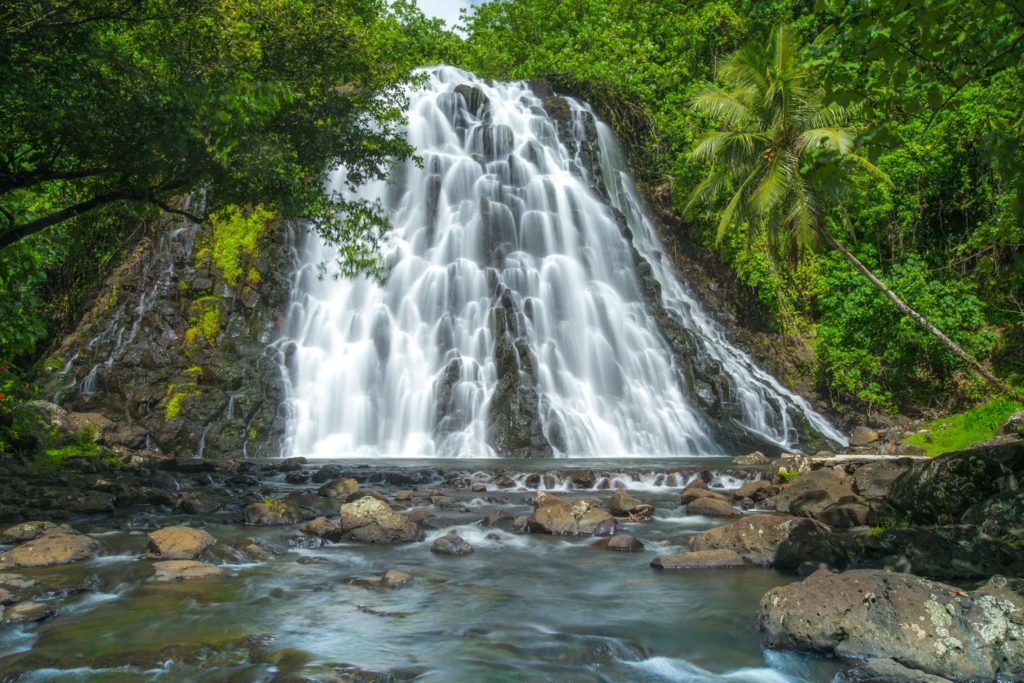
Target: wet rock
862 436
26 531
711 507
874 479
27 612
7 597
271 513
997 515
422 517
259 549
478 487
699 489
581 479
184 570
505 482
17 581
755 458
753 491
620 542
201 502
292 464
775 540
403 496
810 493
941 490
50 549
321 526
369 520
475 99
622 504
560 517
877 670
497 518
450 544
848 515
326 473
309 560
178 543
296 478
395 578
308 506
932 627
791 464
699 559
943 552
339 488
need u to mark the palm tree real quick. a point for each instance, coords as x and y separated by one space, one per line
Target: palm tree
784 155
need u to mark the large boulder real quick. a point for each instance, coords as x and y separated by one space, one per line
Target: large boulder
874 479
862 436
50 549
562 517
621 504
699 559
711 507
178 543
1014 425
811 493
450 544
752 491
924 625
339 488
26 531
755 458
621 542
184 570
370 520
943 552
775 540
941 490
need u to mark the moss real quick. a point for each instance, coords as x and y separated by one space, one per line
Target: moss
234 240
81 445
276 506
203 321
195 372
182 286
176 395
957 432
53 363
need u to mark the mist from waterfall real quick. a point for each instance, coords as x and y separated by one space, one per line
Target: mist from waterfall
510 259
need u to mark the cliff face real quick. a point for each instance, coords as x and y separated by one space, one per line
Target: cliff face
177 349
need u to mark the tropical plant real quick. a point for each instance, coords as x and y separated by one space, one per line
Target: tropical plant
785 156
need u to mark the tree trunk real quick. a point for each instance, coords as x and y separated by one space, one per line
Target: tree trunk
918 318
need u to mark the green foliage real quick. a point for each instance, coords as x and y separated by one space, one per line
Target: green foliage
175 397
275 505
204 322
957 432
786 476
234 237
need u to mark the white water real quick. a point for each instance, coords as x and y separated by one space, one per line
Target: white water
501 206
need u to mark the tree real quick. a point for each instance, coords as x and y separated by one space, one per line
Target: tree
136 102
785 156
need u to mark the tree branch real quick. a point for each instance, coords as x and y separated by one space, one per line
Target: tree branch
11 236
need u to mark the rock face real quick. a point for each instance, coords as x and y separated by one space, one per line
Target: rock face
450 544
699 559
774 540
178 361
941 490
924 625
944 552
562 517
622 504
369 520
50 549
179 543
184 570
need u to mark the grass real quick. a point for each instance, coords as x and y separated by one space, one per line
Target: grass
957 432
83 445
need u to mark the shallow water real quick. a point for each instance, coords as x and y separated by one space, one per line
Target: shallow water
520 608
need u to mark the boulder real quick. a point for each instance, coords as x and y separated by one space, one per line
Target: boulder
184 570
877 670
7 597
326 473
450 544
178 543
321 526
699 559
1014 425
498 518
339 488
26 531
17 582
791 464
753 491
560 517
271 513
582 479
931 627
621 542
847 515
755 458
622 504
76 422
711 507
943 552
941 490
874 479
422 517
775 540
698 489
369 520
810 493
27 612
862 436
395 578
50 549
997 515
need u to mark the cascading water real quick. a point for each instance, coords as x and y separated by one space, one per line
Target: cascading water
515 318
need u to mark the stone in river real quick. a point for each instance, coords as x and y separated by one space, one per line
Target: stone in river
183 570
26 612
395 578
711 507
50 549
622 504
450 544
620 542
369 520
699 559
178 543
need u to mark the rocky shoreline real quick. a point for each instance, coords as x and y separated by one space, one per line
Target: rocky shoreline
912 565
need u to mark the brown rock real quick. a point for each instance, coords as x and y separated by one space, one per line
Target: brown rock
622 504
369 520
395 578
810 493
27 612
862 436
79 421
874 479
497 518
620 542
178 543
184 570
402 496
321 526
695 491
700 559
450 544
271 513
755 458
712 507
26 531
421 516
51 549
775 540
17 581
754 491
7 597
339 488
561 517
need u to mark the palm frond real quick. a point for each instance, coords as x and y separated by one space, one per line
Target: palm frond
727 107
863 163
840 140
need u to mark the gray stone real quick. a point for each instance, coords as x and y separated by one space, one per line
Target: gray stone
711 507
619 542
699 559
450 544
755 458
782 541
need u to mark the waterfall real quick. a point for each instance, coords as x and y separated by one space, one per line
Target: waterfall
525 309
